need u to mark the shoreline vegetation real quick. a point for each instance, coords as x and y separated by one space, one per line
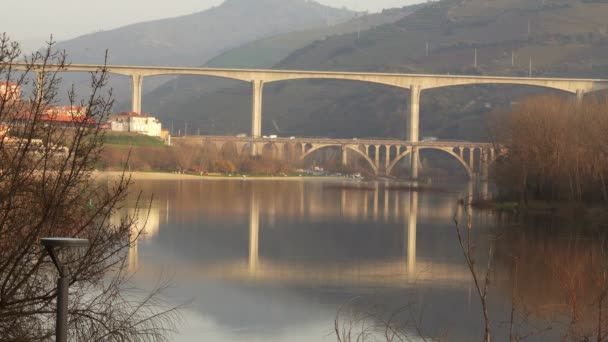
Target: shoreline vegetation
555 151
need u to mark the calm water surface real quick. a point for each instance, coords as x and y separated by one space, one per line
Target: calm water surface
275 260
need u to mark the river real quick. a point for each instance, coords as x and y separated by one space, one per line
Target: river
276 260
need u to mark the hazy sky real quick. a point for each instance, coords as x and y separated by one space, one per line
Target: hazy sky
70 18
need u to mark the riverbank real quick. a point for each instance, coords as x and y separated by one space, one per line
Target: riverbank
178 176
558 209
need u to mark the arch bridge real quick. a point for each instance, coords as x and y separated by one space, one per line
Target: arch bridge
414 83
381 155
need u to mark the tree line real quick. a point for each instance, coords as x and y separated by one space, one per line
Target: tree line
556 149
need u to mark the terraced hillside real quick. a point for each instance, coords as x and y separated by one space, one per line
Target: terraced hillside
511 37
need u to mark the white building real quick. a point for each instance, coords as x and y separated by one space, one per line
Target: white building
136 123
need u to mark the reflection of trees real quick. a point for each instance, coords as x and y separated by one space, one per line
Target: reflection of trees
560 276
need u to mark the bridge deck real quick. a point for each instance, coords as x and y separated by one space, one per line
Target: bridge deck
331 141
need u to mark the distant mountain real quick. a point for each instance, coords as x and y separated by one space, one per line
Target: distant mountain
263 53
192 40
553 38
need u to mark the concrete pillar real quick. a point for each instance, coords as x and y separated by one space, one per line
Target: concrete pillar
377 157
254 233
256 112
415 160
387 158
279 152
344 156
484 167
472 160
136 96
414 124
412 223
580 95
414 120
39 86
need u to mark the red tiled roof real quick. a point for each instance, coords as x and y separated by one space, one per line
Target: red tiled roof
58 118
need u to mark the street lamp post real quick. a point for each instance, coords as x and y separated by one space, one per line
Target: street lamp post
50 244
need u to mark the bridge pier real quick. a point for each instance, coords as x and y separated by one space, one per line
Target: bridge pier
414 126
484 167
415 159
580 95
377 157
387 158
472 160
256 112
39 86
136 97
344 156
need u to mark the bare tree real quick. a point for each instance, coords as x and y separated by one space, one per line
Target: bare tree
47 189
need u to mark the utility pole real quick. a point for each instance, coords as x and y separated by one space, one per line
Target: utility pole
475 61
185 128
427 49
172 131
512 58
198 131
358 28
530 68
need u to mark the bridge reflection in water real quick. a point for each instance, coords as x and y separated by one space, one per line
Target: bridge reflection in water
373 202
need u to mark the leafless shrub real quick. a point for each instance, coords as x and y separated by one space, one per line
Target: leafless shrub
49 191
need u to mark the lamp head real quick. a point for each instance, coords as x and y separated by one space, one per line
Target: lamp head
64 242
51 243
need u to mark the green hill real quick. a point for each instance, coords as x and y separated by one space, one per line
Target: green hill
263 53
560 38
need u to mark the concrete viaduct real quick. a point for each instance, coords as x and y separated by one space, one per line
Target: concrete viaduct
415 83
381 155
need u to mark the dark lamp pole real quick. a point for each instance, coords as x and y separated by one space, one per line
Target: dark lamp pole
50 244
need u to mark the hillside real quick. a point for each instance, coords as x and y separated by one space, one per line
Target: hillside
561 38
192 40
263 53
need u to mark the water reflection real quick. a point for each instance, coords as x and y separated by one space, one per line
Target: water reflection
392 270
264 259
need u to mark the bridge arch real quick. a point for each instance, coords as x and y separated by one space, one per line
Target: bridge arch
446 150
395 81
352 148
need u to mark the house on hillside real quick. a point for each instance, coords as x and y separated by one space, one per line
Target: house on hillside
10 91
136 123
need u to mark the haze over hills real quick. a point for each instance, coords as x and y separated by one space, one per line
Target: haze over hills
192 40
560 38
263 53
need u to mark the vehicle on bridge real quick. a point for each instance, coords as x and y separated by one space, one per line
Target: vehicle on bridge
430 138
